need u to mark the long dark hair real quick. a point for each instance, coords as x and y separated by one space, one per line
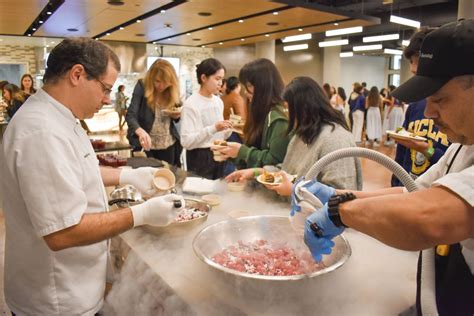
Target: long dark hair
268 85
309 109
208 67
342 93
373 99
231 84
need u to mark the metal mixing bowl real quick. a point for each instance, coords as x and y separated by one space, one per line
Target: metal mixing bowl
215 238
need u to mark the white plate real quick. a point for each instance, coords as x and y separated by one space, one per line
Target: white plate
396 135
260 179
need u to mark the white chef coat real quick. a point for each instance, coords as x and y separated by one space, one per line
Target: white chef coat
460 180
50 177
198 118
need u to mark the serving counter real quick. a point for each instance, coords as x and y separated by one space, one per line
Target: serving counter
376 280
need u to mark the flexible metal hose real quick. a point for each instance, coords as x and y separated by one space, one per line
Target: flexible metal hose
385 161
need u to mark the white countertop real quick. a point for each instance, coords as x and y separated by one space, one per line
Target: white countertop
376 280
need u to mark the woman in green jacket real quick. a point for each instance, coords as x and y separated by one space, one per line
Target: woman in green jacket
265 140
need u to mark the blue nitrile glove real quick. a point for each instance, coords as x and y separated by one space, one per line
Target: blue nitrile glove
319 190
320 245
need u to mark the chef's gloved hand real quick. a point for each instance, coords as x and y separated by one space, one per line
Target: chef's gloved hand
322 244
140 178
312 191
321 191
158 211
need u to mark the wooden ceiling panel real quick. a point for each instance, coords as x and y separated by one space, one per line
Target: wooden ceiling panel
17 16
92 17
185 17
292 18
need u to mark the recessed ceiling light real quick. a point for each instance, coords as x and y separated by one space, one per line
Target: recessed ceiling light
196 39
96 38
34 29
336 24
162 11
138 21
52 42
29 34
49 13
300 30
267 35
107 34
169 39
121 28
242 39
209 28
188 34
275 13
241 21
220 43
203 46
154 42
40 22
116 2
140 34
47 46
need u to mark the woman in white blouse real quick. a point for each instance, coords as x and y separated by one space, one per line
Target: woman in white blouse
202 121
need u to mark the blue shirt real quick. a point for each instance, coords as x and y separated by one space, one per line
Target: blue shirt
415 163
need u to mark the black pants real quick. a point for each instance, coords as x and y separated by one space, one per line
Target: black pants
170 154
201 162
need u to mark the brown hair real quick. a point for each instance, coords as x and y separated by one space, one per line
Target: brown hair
163 70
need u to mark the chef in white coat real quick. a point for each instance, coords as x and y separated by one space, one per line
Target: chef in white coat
55 205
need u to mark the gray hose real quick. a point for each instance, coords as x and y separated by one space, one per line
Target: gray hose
385 161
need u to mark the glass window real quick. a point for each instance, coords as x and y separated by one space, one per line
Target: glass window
394 79
395 62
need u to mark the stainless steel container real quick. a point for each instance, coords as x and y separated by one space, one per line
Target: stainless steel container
215 238
125 196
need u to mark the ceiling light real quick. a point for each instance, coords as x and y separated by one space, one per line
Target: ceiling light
336 24
393 51
209 28
121 28
29 34
154 42
188 34
107 34
242 39
267 35
138 21
300 30
296 38
346 54
295 47
34 29
349 30
379 38
162 11
241 21
333 43
52 42
405 43
40 22
169 39
49 13
404 21
220 43
366 47
203 46
275 13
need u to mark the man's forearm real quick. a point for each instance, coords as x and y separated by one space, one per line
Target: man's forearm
367 194
412 221
91 229
110 176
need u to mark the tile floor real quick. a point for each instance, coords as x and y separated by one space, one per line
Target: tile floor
375 176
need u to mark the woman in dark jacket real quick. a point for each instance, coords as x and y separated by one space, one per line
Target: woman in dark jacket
152 112
14 98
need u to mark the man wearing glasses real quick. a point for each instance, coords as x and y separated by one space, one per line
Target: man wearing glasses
55 205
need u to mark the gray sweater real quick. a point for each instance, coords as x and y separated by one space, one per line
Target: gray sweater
341 174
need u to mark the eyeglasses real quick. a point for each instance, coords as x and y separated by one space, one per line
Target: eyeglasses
107 91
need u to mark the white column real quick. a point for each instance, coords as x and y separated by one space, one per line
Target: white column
265 50
466 9
331 66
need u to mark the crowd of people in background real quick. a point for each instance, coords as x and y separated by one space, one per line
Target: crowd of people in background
14 96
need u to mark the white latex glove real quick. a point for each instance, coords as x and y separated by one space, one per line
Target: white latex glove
158 211
140 178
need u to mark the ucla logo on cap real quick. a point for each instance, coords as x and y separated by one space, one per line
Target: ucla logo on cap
430 56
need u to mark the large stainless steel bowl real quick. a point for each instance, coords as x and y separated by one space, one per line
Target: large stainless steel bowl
215 238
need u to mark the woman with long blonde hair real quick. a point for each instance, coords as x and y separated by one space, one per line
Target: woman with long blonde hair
152 113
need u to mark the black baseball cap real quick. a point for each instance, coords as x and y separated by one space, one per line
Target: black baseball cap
446 53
